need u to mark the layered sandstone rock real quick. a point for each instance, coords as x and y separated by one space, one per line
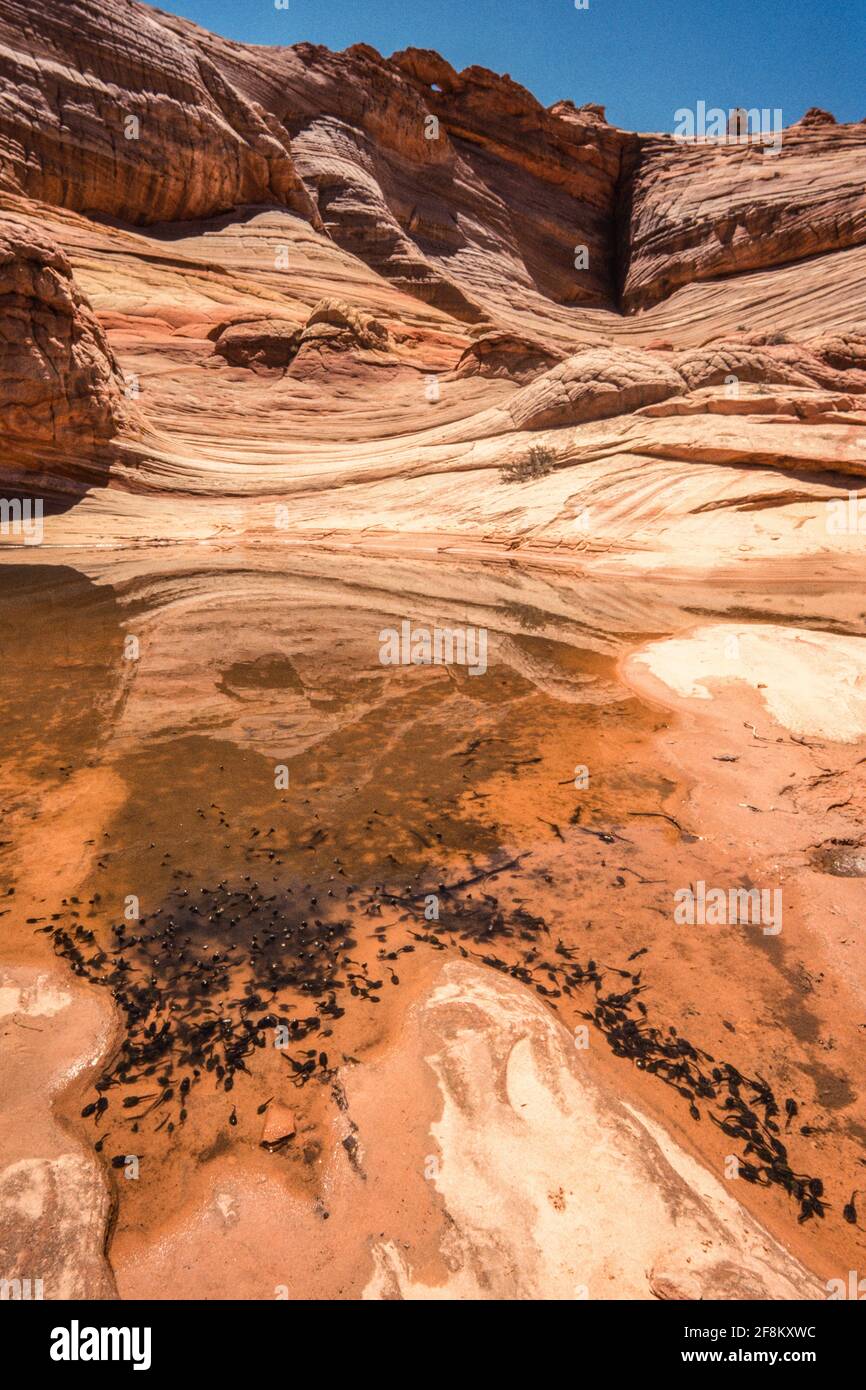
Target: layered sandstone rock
525 1205
703 210
812 683
549 178
103 109
460 188
448 208
844 352
604 381
55 1202
519 1174
593 385
447 183
729 364
61 388
420 293
275 342
833 362
508 355
339 324
265 342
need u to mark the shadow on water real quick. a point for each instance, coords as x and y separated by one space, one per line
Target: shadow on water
60 676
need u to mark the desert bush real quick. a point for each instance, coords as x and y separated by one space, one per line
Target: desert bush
537 464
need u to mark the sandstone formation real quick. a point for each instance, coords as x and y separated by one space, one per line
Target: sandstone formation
697 211
493 242
592 385
486 1196
532 1214
270 342
276 342
458 187
816 116
507 355
606 381
103 109
61 389
287 331
812 683
54 1198
341 325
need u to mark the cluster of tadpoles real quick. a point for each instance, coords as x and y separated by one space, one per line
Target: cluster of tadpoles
745 1108
675 1061
199 984
200 981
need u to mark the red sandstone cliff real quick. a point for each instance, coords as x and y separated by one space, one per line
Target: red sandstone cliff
111 107
700 211
366 282
61 389
105 110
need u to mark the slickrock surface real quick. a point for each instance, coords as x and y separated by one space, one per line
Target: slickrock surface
517 1175
506 355
592 385
812 683
54 1197
529 1147
275 342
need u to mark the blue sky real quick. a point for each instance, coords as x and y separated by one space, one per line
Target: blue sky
643 59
